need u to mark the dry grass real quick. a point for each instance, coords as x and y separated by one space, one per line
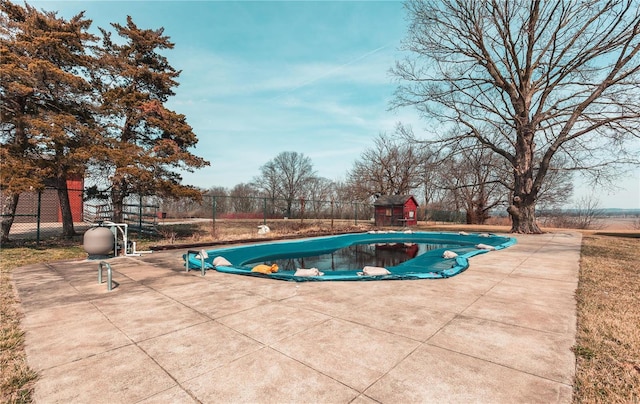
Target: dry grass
15 375
203 232
608 339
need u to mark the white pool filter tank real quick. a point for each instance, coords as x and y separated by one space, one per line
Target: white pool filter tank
98 240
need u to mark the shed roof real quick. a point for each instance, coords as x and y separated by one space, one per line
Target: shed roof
394 200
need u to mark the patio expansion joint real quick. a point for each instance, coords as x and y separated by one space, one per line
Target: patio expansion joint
463 316
328 375
166 372
92 355
519 276
570 385
134 342
420 345
203 313
141 262
209 318
510 277
138 345
362 324
331 318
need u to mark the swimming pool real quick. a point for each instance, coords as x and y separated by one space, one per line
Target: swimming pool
429 265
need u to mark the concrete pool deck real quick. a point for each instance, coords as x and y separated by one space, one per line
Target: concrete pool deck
500 332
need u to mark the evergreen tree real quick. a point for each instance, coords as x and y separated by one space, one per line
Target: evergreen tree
143 139
46 130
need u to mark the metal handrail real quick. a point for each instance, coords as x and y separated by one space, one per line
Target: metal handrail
202 255
109 274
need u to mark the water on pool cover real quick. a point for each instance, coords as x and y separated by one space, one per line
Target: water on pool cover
357 256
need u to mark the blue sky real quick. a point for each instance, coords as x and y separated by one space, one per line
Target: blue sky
259 78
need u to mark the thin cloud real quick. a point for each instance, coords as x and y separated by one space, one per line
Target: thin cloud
331 71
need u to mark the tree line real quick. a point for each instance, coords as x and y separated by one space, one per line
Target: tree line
467 180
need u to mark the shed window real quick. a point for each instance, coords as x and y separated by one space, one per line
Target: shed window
411 214
388 211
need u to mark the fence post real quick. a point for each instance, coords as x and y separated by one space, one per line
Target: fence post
139 215
213 223
38 218
356 212
264 211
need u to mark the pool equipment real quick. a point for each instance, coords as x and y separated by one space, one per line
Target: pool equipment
98 240
106 237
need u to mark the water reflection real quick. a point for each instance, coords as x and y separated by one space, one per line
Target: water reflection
359 255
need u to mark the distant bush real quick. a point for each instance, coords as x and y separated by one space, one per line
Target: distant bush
586 215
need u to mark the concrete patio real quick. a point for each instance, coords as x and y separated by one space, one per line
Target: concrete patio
500 332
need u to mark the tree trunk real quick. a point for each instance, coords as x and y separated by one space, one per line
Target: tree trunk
9 205
65 207
476 215
525 195
471 219
118 207
523 206
289 205
117 201
523 217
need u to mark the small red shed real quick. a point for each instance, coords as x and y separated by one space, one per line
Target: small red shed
396 210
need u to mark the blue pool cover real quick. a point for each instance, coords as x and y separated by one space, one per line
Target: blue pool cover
430 265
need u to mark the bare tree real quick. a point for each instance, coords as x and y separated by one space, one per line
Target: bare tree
557 188
429 176
528 79
285 177
430 163
181 206
341 200
473 176
243 198
391 167
318 191
585 214
588 213
218 196
268 183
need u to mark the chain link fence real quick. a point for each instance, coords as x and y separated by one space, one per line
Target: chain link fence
38 214
264 208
